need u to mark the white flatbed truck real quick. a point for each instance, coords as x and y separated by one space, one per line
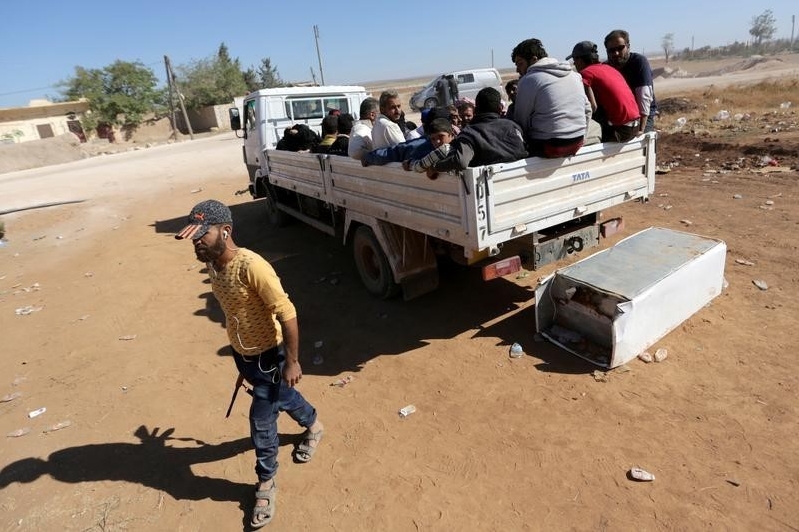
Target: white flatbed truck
399 223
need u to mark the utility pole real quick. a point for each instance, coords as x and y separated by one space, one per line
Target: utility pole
318 53
313 76
171 78
793 22
171 102
692 45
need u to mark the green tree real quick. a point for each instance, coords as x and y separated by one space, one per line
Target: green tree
667 43
251 80
264 78
268 74
212 81
120 94
764 26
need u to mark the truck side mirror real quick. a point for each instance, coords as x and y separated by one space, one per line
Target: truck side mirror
235 118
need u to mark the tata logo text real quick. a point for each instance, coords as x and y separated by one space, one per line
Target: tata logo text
581 176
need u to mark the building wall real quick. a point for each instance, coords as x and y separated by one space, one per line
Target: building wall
19 124
25 130
211 118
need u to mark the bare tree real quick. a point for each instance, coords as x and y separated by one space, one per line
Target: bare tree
764 26
668 45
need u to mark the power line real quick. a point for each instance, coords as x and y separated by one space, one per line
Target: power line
28 90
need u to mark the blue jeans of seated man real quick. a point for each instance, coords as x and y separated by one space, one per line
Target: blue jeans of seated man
270 396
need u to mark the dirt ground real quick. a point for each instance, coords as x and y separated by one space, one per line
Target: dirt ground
109 324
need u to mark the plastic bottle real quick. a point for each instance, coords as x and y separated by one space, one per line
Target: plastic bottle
516 351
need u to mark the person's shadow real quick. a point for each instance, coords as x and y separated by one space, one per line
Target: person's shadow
150 463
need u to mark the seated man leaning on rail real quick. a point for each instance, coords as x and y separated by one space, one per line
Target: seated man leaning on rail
489 139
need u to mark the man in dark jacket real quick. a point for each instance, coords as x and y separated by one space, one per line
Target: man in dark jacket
489 139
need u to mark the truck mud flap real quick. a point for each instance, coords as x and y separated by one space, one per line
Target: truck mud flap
419 284
560 246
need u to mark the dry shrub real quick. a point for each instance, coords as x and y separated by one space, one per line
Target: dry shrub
762 97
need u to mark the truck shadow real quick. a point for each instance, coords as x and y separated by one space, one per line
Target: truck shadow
353 327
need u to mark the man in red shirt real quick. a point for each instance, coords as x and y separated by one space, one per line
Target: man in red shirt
612 101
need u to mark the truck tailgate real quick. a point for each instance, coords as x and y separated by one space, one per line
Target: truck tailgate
530 195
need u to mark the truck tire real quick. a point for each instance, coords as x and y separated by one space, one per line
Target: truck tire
274 216
372 264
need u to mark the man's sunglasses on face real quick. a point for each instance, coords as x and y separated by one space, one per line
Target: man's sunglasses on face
616 49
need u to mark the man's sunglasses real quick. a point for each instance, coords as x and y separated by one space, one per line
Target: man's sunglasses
616 49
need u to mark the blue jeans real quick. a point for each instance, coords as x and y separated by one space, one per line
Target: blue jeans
270 396
650 123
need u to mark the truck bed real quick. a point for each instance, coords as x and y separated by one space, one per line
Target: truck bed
485 206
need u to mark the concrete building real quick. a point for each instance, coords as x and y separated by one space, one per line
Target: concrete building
42 119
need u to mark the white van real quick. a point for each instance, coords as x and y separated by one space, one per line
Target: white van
469 84
263 115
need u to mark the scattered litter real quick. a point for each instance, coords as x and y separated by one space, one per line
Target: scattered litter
29 309
39 237
660 355
760 284
785 105
681 121
662 169
639 474
319 343
342 382
35 287
668 207
686 222
769 202
10 397
663 195
124 388
88 274
19 432
646 357
516 351
128 337
722 115
522 274
406 411
38 412
84 317
600 376
737 196
196 190
58 426
733 482
59 237
745 262
318 360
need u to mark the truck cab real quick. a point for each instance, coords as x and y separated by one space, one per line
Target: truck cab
264 114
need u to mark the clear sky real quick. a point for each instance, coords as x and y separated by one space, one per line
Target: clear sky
44 40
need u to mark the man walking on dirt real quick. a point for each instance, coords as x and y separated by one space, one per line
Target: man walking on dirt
262 329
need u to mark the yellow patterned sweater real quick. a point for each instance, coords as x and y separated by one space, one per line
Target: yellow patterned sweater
254 302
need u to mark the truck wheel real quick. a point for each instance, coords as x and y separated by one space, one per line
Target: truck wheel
430 103
372 264
274 216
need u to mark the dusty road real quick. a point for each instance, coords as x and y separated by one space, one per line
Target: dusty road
127 345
